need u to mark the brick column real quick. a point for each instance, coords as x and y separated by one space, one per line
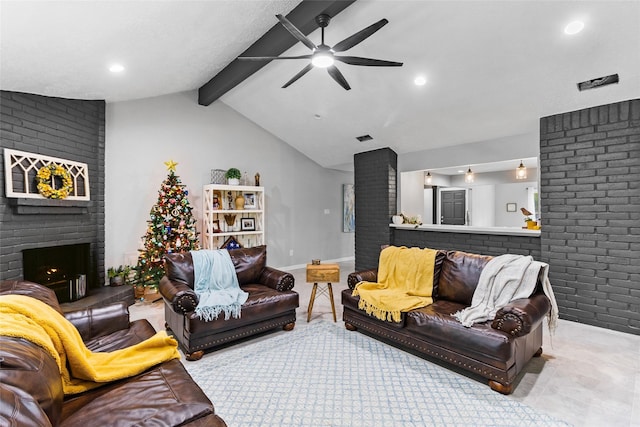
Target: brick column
590 200
375 175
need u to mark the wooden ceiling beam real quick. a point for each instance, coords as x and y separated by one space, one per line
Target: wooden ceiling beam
275 42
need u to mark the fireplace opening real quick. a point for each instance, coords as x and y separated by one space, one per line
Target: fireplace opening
64 269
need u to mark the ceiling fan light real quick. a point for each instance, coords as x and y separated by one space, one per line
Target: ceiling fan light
322 60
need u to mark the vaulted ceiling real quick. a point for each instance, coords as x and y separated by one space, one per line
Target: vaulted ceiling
493 68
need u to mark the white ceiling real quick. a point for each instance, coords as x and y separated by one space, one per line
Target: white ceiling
493 67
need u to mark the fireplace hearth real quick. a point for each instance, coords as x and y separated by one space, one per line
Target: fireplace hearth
64 269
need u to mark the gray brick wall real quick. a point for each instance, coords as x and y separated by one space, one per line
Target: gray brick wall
375 195
65 128
590 200
485 244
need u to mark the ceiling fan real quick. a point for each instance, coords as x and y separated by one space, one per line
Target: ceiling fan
323 56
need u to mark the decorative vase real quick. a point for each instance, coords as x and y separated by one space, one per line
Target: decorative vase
397 219
230 219
240 202
233 181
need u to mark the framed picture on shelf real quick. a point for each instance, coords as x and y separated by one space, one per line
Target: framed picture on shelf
511 207
247 224
231 243
249 200
215 226
217 199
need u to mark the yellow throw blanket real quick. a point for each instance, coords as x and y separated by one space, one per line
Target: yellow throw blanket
25 317
405 282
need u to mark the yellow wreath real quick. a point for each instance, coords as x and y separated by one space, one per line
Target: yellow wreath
45 175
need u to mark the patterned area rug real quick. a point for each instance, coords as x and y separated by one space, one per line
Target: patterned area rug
324 375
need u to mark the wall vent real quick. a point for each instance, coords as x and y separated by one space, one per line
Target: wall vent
600 81
364 138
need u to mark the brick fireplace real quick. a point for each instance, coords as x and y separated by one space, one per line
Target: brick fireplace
65 128
63 269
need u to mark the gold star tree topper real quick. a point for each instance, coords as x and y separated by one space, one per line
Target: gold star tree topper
171 165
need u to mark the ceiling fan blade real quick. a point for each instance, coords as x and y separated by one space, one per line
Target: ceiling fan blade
369 62
337 76
296 32
358 37
302 72
268 58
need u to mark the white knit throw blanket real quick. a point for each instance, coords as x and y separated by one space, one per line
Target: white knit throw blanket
506 278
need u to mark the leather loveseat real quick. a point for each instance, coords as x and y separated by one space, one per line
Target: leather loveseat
31 384
271 303
496 350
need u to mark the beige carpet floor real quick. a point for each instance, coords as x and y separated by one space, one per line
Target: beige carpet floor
586 376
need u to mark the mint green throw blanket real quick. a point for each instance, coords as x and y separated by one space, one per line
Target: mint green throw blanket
216 285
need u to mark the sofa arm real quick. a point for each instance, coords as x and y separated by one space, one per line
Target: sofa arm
370 275
96 322
276 279
519 317
180 296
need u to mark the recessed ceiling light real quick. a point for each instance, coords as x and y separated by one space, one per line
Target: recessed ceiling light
573 27
116 68
420 81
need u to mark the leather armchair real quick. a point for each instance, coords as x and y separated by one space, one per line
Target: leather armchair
271 303
31 385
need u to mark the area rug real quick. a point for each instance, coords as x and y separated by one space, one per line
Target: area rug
323 375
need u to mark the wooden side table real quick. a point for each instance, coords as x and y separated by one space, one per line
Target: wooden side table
322 273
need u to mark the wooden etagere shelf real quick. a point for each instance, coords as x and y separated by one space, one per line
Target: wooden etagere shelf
223 220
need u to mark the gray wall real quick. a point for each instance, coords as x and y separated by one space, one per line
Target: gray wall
65 128
141 135
590 199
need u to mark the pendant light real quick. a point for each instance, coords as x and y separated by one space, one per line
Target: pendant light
521 171
428 178
468 177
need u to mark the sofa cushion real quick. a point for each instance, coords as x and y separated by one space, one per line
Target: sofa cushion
437 270
481 342
178 267
459 276
249 263
138 331
263 303
351 302
162 396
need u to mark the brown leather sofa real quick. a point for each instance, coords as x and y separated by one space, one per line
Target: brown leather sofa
31 385
271 302
496 350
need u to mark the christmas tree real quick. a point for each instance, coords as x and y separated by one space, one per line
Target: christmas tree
171 228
